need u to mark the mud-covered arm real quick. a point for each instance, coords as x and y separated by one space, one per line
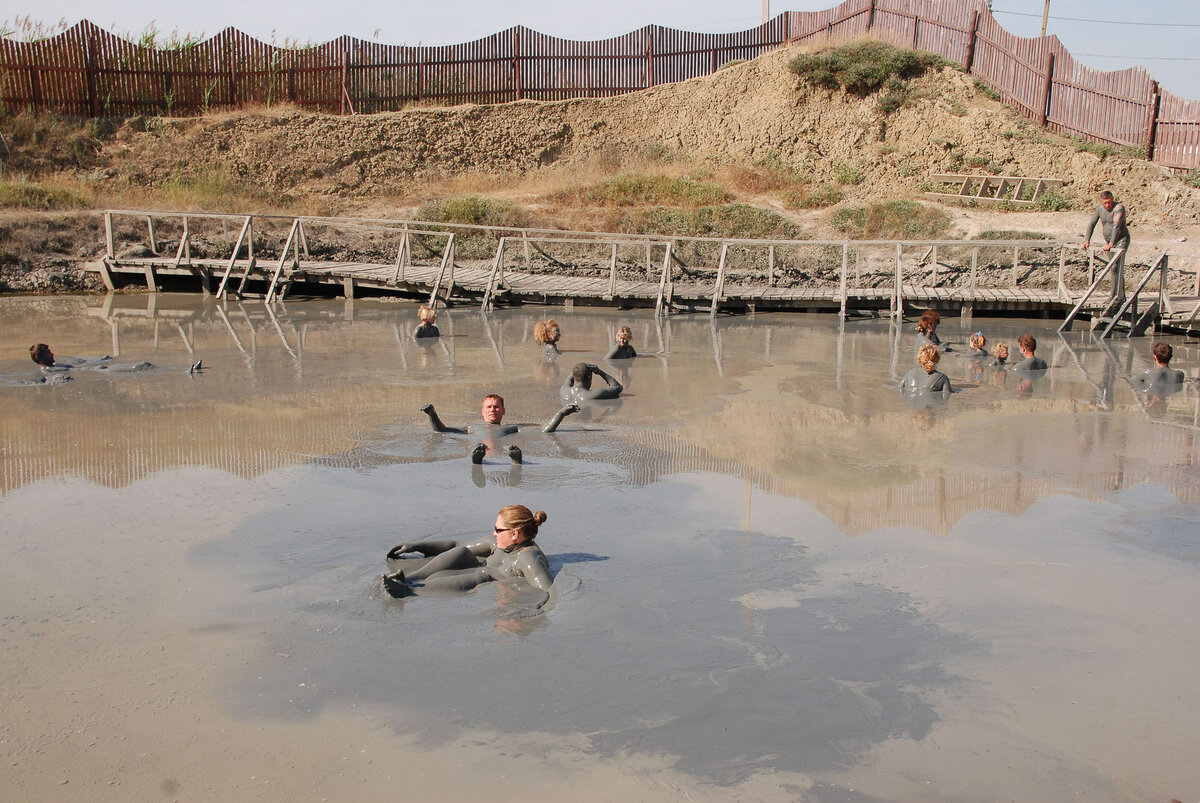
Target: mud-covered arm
483 547
435 421
426 548
1087 232
612 352
553 423
531 564
614 387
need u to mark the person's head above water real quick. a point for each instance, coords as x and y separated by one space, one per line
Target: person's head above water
516 524
493 409
546 332
624 335
426 315
1000 351
928 357
1027 344
1107 201
41 354
1162 354
928 322
582 375
978 340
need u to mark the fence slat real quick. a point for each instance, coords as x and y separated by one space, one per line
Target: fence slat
87 71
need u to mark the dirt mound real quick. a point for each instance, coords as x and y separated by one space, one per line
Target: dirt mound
745 114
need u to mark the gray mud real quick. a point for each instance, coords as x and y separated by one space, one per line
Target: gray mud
774 579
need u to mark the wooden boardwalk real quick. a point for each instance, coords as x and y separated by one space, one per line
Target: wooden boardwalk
800 275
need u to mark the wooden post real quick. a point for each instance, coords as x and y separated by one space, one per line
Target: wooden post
1016 262
870 15
974 264
345 69
516 64
233 86
719 286
612 272
899 300
108 235
421 80
713 53
650 266
972 33
168 85
916 27
1152 119
93 98
842 283
35 87
292 85
771 265
150 231
650 59
1047 87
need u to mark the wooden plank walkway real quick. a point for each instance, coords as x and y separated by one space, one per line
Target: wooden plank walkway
866 281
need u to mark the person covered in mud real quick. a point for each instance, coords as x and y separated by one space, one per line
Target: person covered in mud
493 426
41 354
428 324
1114 225
1000 355
623 348
927 331
578 388
547 333
926 379
510 552
978 348
1162 380
1031 362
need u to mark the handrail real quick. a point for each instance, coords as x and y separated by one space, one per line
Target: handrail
282 261
233 260
491 285
1130 302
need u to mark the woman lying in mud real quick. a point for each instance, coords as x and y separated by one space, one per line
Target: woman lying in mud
510 552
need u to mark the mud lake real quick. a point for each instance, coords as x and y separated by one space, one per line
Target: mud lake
775 580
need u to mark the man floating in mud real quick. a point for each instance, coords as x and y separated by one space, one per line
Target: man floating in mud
578 388
493 426
1111 216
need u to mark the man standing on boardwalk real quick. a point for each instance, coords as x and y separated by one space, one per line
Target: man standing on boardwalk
1111 216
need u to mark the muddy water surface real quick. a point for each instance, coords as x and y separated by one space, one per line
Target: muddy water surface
774 578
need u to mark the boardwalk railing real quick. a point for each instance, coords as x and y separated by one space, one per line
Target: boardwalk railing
88 71
460 263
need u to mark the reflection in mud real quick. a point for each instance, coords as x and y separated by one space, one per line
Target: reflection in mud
751 577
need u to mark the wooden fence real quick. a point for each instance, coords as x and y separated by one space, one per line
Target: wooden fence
88 71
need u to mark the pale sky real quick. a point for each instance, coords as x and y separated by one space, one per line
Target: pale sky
1164 43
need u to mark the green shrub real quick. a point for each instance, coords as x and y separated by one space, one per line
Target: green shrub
634 189
824 196
471 209
1013 234
892 220
986 90
958 110
726 220
1192 178
24 194
848 174
1051 200
863 67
